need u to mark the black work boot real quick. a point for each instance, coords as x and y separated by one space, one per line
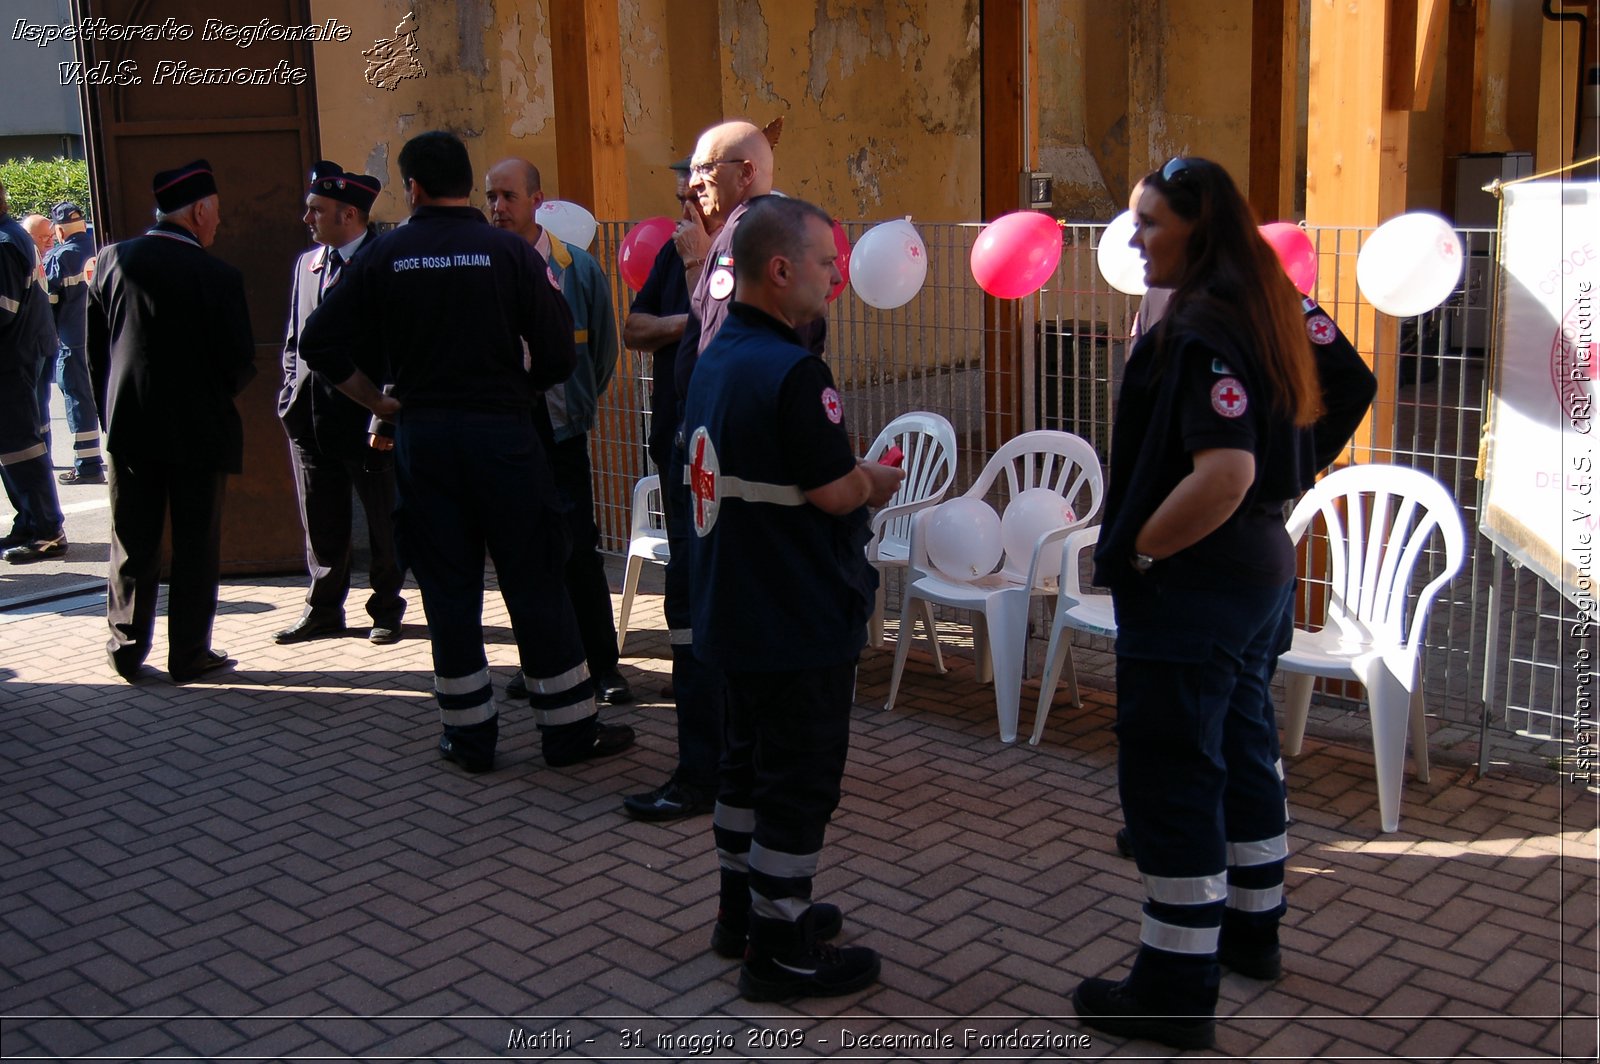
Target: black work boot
1117 1010
731 932
788 960
1250 947
1169 998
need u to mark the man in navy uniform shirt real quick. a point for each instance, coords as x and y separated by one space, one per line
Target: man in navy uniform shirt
454 303
66 270
778 490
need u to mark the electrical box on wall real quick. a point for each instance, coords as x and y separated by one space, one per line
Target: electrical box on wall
1038 193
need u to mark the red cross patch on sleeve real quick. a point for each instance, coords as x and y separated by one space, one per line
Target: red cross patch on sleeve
1321 329
832 406
1228 398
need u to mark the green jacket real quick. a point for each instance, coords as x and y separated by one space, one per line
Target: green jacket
594 334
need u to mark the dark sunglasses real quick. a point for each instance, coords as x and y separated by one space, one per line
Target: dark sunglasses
1175 168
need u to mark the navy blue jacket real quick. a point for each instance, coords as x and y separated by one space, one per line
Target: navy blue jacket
65 275
450 301
778 583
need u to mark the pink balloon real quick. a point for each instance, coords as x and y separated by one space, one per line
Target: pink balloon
640 248
1016 254
841 243
1295 251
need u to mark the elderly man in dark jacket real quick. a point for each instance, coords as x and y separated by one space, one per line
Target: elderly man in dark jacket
169 347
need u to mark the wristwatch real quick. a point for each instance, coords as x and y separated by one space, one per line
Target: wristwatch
1141 562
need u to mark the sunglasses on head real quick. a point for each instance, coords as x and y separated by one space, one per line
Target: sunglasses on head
1176 167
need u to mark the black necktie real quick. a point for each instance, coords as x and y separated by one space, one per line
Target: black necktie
330 270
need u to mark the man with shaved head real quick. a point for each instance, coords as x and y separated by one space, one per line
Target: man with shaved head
730 167
514 191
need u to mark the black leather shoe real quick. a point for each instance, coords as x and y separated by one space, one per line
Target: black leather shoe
1124 843
1112 1008
670 801
211 661
608 739
36 550
69 477
728 940
133 672
15 539
383 635
517 687
307 628
611 689
474 765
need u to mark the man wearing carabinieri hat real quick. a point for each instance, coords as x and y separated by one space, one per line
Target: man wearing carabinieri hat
328 431
169 347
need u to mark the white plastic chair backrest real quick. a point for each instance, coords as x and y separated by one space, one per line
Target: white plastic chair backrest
1044 458
929 443
1072 548
1379 520
647 516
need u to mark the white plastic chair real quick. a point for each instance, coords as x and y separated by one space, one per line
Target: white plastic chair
647 542
1379 520
1057 460
1078 610
929 444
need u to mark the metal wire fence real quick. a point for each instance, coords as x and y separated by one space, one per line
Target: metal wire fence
995 368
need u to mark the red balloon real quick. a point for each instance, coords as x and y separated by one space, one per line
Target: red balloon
842 244
1295 251
640 248
1016 254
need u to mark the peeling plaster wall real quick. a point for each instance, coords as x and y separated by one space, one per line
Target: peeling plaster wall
487 69
879 100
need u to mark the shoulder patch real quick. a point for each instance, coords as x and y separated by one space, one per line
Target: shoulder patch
1228 398
1321 329
831 405
1220 368
721 283
551 275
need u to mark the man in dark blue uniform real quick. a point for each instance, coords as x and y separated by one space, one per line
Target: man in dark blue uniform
169 347
66 277
328 430
454 303
26 339
774 478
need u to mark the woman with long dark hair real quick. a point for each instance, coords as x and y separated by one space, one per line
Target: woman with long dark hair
1210 442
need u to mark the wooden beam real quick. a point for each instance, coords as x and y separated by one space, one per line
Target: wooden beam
1434 16
1460 60
1274 43
1356 157
1010 145
1400 55
586 64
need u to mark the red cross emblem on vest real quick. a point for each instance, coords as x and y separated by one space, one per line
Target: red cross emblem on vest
1228 398
702 475
1320 328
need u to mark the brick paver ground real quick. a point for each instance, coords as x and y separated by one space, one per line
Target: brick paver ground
276 865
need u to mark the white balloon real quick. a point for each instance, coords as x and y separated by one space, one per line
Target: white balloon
572 223
1410 264
888 264
964 538
1120 263
1028 516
